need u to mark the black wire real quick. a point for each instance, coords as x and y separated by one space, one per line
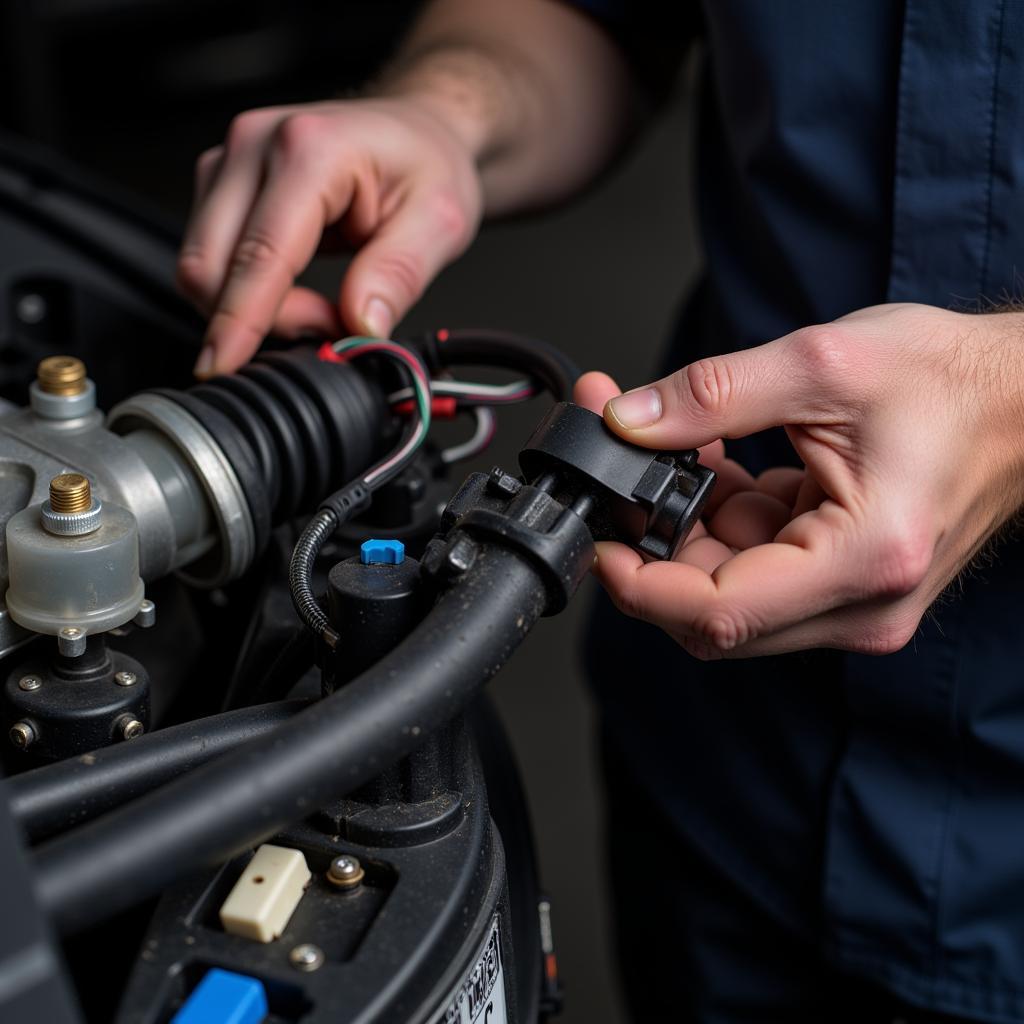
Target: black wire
300 574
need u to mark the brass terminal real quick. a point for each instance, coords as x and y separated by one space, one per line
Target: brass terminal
69 493
61 375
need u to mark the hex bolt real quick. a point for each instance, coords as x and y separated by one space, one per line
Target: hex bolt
22 735
71 642
306 957
345 872
125 678
129 727
29 683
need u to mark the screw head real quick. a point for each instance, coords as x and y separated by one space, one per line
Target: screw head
306 957
125 678
130 727
29 683
345 871
22 735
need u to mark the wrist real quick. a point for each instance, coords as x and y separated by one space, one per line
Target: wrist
462 87
998 365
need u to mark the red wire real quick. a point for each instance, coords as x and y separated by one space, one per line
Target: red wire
328 355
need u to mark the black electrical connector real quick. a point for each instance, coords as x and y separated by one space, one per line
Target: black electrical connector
650 500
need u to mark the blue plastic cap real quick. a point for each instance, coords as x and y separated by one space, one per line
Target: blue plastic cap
382 552
223 997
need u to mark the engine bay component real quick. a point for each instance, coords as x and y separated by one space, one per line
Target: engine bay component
205 473
383 763
266 894
79 703
224 997
374 604
73 572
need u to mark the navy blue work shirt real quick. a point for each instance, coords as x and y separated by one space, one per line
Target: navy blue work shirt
851 154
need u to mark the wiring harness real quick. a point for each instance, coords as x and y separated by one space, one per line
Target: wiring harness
419 397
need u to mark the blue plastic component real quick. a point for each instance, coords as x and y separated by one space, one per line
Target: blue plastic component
223 997
382 552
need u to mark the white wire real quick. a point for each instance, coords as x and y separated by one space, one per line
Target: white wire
477 443
461 387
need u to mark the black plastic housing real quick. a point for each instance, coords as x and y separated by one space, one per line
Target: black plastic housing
649 500
372 607
79 703
394 946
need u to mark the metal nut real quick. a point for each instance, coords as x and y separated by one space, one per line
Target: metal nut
71 642
72 524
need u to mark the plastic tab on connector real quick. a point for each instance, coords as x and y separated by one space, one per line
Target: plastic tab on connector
223 997
382 552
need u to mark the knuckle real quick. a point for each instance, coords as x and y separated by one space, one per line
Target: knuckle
902 562
452 220
244 128
256 253
823 351
709 384
298 132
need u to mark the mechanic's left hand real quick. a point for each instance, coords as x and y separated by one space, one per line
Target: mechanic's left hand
910 422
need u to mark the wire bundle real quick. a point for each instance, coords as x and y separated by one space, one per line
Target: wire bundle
444 348
348 348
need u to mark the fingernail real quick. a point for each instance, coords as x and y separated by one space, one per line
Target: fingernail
636 408
377 318
204 364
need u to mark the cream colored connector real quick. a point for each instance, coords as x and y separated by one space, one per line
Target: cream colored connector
265 897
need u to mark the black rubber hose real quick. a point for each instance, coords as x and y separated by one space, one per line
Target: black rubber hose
321 754
50 799
482 347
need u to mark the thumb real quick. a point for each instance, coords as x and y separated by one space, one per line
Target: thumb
723 396
392 270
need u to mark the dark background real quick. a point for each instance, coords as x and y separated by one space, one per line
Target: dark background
135 89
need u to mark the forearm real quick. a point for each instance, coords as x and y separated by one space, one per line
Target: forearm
539 93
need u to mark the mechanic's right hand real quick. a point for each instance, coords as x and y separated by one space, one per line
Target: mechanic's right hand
382 174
